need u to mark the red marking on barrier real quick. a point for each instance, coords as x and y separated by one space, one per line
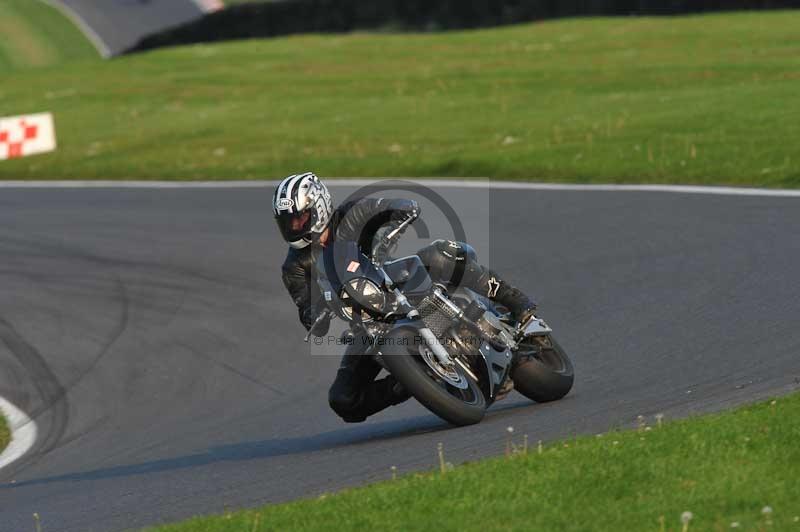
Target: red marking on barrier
25 135
14 150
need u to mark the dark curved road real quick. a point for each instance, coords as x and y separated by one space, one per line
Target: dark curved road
116 25
149 334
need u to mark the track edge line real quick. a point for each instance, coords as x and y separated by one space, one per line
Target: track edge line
437 182
23 433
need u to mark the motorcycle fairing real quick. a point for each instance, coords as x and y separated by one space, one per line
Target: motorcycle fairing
498 365
497 362
409 274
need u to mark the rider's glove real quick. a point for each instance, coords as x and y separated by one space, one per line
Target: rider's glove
402 209
384 247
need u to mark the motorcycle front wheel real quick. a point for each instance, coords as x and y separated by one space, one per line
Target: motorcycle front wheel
462 403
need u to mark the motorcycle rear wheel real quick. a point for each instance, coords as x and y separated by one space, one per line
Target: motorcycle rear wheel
457 406
545 374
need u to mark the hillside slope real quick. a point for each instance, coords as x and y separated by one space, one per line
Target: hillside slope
704 99
35 35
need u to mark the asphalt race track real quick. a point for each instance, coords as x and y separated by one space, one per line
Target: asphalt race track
148 333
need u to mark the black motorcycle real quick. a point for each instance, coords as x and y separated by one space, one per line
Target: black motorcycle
456 353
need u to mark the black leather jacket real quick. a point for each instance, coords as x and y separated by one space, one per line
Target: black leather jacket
358 221
453 263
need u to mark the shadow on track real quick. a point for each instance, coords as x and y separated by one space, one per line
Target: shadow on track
255 450
261 449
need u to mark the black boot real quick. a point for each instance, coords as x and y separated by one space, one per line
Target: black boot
345 392
355 375
378 395
521 306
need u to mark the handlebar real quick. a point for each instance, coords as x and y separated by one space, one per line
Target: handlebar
400 228
388 241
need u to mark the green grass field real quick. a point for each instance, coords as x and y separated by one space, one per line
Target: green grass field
704 99
35 35
5 434
723 468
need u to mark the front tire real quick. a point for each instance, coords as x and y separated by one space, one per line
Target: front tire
457 406
544 372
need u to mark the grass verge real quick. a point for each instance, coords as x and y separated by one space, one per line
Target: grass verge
35 35
5 433
736 467
702 99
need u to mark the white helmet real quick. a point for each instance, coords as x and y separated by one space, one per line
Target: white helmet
303 209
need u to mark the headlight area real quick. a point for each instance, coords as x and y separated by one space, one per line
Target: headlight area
364 293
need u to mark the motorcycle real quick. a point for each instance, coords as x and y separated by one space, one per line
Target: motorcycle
456 352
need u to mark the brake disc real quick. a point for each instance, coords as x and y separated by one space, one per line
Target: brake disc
449 374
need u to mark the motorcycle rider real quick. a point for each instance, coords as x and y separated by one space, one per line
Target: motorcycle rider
304 213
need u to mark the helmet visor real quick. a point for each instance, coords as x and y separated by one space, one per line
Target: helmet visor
295 226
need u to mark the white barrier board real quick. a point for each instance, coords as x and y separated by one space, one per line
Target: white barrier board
25 135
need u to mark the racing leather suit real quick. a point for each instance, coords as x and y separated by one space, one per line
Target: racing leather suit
452 263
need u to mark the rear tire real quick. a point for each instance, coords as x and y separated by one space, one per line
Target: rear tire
544 376
402 361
